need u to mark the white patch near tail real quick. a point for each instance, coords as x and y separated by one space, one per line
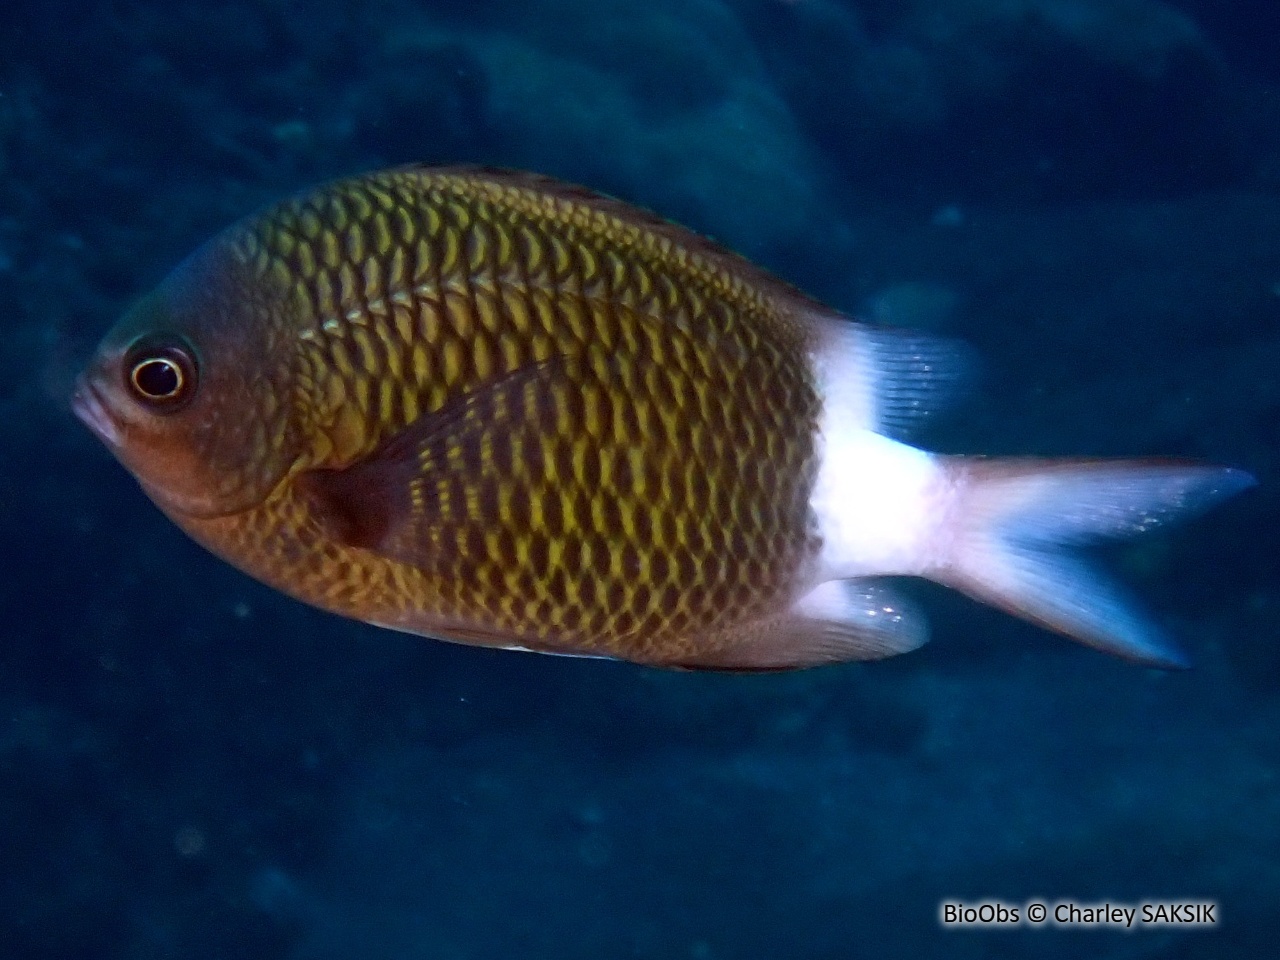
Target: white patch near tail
878 501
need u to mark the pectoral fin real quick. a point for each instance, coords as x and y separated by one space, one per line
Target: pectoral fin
388 502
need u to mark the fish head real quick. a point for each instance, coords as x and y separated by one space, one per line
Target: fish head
190 389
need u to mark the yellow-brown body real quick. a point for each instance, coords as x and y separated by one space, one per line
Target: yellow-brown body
489 407
646 492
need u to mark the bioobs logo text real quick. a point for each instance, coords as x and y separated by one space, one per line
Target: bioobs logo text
1069 913
991 913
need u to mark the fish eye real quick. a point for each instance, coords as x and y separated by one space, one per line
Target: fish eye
161 374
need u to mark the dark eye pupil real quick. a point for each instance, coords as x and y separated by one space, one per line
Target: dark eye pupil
159 378
161 373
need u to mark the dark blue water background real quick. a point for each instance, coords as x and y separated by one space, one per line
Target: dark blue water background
1087 190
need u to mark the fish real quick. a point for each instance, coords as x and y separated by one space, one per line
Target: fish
489 407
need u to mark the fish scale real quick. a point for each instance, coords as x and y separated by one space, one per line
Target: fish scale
661 488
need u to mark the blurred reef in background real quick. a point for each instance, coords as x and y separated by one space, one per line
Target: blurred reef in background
1087 190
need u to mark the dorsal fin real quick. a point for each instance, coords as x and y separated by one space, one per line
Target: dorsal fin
884 379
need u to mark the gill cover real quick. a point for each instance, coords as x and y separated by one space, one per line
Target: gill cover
194 381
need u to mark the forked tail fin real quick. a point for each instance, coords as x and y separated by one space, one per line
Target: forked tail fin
1013 521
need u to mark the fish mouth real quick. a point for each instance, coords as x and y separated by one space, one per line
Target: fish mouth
86 403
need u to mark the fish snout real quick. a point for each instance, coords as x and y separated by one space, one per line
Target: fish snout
87 404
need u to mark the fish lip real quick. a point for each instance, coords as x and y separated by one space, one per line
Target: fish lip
86 403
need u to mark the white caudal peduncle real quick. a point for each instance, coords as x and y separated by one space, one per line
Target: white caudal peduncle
881 505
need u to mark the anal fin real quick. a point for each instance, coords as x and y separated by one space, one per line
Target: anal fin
836 622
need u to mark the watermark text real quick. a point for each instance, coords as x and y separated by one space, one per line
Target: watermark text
1076 914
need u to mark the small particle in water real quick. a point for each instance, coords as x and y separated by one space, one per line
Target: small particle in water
189 842
293 133
948 216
